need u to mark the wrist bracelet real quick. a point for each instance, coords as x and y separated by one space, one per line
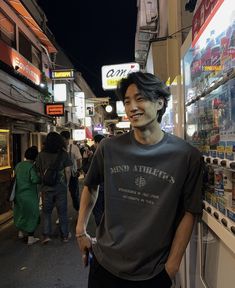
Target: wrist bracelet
81 235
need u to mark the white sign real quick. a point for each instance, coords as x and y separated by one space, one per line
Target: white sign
79 102
120 109
60 92
126 125
112 74
79 134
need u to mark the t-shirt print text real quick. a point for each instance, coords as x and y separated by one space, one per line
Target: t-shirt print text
141 196
144 170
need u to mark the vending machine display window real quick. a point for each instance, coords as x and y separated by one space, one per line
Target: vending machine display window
213 55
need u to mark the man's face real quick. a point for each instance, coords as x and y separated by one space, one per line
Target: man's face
66 141
140 111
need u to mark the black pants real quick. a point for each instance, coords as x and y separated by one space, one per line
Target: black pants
74 191
101 278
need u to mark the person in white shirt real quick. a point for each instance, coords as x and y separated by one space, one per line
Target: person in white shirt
76 158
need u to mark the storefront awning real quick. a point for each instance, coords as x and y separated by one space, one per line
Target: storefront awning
23 114
28 19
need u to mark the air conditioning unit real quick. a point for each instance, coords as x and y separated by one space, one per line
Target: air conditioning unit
141 45
148 14
140 55
144 36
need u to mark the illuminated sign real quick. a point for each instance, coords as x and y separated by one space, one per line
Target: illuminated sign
120 109
203 16
62 74
79 101
60 92
112 74
54 109
79 134
12 58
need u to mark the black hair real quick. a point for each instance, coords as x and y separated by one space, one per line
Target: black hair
54 142
65 134
98 138
31 153
150 87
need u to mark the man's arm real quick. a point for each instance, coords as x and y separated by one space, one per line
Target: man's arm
87 202
179 244
78 156
67 174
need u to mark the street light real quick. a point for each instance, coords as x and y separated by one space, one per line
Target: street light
109 108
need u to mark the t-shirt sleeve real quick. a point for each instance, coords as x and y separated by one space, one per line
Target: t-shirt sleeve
95 174
193 185
76 152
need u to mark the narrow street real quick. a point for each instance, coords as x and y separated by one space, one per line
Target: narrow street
54 265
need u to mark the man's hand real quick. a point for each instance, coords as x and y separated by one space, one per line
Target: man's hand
85 246
171 272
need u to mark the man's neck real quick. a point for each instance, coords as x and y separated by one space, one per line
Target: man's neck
149 136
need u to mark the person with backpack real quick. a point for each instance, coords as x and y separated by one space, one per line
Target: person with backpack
54 166
76 158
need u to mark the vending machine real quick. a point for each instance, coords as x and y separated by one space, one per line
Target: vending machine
208 68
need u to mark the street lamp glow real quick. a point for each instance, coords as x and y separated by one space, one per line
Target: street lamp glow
108 108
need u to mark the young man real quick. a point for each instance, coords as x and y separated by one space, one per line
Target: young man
152 184
76 159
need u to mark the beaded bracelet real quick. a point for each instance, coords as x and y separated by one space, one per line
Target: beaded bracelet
81 235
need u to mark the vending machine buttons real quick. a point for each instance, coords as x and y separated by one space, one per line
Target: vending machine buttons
216 215
232 165
223 163
208 209
224 222
233 229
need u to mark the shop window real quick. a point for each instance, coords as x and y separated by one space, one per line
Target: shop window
7 30
29 51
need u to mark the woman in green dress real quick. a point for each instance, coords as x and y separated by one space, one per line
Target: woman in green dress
26 202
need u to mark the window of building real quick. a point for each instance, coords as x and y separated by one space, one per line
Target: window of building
7 30
25 46
27 49
36 58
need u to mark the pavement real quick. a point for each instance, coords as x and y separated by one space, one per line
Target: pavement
54 265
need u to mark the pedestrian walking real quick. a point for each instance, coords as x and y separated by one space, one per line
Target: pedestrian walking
26 202
76 158
54 159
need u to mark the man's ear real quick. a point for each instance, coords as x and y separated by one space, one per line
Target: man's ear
159 104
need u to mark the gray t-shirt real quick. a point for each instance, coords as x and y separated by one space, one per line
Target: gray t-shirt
147 189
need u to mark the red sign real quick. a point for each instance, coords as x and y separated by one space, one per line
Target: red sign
12 58
203 16
54 109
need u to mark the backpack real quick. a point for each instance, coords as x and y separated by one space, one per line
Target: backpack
51 175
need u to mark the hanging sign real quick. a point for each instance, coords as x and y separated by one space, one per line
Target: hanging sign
54 109
62 74
203 16
112 74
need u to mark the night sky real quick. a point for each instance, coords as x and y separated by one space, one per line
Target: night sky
93 34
